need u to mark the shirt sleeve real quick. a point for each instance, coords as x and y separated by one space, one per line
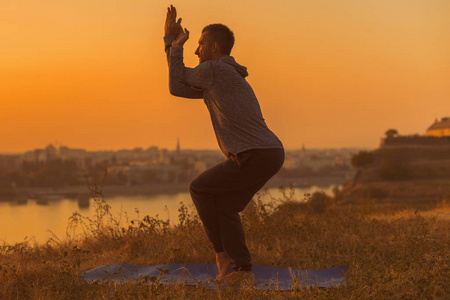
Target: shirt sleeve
168 43
176 87
186 82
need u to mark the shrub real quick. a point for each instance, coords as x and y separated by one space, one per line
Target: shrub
320 202
362 159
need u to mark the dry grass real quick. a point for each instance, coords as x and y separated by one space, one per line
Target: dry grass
389 253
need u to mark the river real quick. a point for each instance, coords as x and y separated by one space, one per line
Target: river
37 222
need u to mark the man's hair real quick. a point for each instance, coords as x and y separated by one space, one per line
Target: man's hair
222 35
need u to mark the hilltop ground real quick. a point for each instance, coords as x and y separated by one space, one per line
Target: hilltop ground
391 250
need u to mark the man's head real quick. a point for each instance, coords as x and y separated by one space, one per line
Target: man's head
216 40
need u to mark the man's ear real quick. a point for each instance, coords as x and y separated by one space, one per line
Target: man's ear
215 47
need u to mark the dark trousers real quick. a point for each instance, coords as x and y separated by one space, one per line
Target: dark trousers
221 192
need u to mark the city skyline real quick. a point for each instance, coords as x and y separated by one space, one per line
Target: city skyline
328 74
173 148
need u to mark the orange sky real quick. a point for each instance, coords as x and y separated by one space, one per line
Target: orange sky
92 74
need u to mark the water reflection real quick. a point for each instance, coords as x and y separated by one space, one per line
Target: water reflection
83 201
20 201
41 219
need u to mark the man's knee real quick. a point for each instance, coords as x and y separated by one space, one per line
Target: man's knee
192 187
198 184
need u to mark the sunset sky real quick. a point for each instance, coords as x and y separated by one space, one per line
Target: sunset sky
328 73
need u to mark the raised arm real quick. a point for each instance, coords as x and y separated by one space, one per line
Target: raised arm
183 82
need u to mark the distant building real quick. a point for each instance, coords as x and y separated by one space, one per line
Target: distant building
50 152
76 155
440 128
164 157
10 162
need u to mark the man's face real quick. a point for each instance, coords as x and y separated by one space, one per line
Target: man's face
204 51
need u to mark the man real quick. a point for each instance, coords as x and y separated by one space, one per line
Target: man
254 153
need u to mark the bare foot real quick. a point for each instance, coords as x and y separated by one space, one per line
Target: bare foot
223 262
237 278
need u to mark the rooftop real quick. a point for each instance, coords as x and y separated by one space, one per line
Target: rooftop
444 123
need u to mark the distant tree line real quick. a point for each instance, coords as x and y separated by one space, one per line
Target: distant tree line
61 173
307 171
390 164
51 173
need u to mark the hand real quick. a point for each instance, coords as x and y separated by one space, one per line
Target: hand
171 27
182 37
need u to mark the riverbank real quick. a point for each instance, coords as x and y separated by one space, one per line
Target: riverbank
35 219
83 192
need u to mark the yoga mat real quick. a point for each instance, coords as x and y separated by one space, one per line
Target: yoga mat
202 274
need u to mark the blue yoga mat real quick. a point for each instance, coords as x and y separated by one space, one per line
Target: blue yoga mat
202 274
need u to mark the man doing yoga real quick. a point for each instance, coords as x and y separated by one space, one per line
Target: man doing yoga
254 153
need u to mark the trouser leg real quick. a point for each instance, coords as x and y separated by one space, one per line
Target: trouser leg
221 192
233 240
205 190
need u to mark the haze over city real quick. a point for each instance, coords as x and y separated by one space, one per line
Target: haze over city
93 74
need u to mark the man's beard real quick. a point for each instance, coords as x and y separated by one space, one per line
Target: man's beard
205 57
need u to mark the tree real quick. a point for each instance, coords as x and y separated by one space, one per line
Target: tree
390 133
362 159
